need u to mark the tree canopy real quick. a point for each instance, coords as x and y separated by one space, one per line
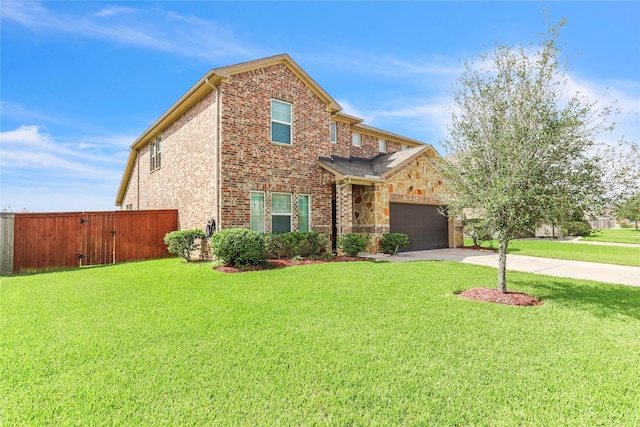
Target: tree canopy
630 209
524 151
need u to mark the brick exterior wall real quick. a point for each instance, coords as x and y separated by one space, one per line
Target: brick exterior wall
250 161
369 144
186 179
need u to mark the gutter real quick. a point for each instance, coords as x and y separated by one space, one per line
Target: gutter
218 155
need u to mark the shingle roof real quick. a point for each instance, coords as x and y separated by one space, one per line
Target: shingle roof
369 168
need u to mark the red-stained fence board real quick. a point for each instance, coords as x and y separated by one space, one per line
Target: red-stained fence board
54 241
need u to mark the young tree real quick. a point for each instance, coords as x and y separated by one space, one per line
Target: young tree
630 209
524 152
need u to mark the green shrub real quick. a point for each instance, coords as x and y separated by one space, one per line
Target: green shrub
303 243
183 242
577 228
327 256
353 243
239 246
317 242
391 242
477 230
625 225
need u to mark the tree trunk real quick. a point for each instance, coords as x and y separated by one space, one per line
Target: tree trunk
502 266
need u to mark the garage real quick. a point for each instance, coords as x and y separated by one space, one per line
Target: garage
426 228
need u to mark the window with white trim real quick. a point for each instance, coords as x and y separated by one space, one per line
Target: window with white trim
304 212
280 122
356 140
403 147
156 154
257 211
334 132
382 146
280 213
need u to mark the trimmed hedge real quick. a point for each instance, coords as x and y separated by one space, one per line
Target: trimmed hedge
239 246
297 243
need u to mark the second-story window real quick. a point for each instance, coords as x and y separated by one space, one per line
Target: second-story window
382 146
156 154
334 132
355 140
280 122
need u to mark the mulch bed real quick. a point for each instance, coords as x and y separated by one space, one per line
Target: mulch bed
495 296
281 263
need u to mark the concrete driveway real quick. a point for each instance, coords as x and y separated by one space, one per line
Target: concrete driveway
608 273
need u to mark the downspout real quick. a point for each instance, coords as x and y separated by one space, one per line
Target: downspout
138 179
218 155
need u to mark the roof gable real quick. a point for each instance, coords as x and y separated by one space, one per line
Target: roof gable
225 73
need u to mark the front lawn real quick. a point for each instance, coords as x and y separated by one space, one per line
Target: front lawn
359 343
618 235
549 248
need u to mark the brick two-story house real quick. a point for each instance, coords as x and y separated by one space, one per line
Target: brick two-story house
261 145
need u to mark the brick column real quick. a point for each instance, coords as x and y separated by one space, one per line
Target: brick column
345 208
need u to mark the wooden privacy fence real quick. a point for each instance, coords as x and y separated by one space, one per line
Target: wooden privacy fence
35 242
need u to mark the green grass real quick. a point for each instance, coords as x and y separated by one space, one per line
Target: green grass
169 343
620 235
549 248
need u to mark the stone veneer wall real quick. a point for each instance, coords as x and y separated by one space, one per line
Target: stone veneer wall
371 212
417 182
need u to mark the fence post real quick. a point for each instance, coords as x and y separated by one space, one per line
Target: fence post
7 222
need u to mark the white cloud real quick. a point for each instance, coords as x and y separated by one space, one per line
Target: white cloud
114 10
41 173
33 147
188 36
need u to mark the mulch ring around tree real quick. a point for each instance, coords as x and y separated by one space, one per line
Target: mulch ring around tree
495 296
281 263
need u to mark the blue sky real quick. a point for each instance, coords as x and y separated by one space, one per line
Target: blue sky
80 81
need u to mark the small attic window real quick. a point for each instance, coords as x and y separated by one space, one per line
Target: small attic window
156 154
356 140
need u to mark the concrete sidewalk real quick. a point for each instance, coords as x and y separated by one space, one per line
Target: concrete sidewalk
608 273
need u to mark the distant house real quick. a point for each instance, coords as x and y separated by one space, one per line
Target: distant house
261 145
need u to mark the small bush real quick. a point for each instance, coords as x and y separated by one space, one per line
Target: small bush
625 225
239 246
477 230
391 242
577 228
183 242
353 243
